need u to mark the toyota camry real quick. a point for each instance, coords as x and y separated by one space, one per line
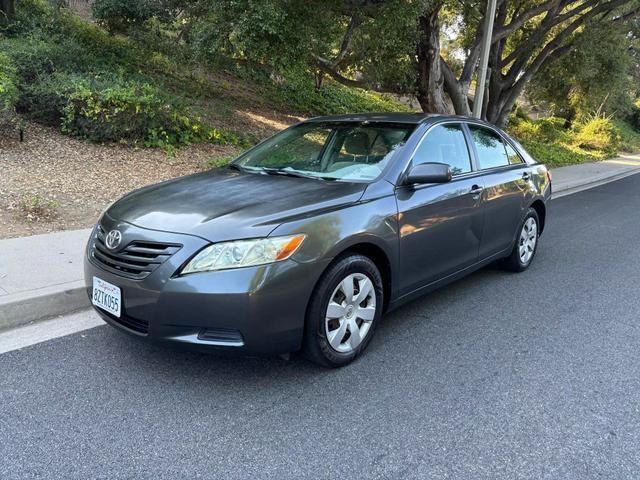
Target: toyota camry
306 240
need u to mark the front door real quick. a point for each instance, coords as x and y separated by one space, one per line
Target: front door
440 225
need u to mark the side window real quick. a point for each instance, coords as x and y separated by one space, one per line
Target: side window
490 148
514 158
445 144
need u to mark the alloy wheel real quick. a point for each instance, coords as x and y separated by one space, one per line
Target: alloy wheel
350 313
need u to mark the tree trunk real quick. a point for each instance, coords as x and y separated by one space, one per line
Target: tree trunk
430 91
7 10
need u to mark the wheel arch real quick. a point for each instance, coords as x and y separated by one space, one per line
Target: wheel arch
541 209
377 254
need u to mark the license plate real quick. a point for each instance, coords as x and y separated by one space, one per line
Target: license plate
106 296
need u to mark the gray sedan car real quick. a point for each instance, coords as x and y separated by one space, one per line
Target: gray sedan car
304 241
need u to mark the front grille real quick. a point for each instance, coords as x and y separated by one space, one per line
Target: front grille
137 260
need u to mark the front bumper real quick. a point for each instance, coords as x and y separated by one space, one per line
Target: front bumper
251 310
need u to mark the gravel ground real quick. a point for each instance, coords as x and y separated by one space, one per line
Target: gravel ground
53 182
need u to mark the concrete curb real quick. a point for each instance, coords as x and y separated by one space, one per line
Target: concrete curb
25 307
569 188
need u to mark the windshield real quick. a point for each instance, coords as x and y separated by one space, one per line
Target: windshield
347 151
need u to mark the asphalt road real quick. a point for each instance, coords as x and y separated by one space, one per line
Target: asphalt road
533 375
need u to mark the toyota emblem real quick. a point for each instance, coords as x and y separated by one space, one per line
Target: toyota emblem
114 237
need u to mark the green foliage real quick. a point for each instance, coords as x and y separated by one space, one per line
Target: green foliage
634 116
598 133
550 129
121 15
298 92
285 35
630 136
114 109
550 141
95 86
595 74
556 155
8 88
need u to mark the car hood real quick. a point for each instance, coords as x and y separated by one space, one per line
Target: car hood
224 204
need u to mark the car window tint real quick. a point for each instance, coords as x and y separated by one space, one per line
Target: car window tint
490 148
445 144
513 156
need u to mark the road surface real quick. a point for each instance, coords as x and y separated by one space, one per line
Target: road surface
533 375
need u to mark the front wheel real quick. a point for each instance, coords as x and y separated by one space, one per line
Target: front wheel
343 312
526 244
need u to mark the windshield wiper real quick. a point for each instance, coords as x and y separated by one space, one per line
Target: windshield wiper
292 173
235 166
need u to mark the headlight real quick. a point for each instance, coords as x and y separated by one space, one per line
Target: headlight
243 253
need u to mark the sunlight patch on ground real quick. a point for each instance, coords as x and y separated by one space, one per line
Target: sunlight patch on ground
269 122
633 163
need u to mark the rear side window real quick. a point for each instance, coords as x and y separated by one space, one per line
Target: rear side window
445 144
490 148
514 158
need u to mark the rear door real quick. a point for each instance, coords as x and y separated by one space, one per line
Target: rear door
505 176
440 224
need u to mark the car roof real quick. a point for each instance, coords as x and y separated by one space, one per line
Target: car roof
392 117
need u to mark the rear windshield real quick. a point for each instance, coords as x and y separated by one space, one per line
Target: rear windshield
349 151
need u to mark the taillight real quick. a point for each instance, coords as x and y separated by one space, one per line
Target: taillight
549 175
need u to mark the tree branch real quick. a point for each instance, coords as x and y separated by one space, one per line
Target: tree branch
457 92
327 67
354 22
516 23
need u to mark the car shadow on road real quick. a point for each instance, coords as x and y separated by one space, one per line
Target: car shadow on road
149 361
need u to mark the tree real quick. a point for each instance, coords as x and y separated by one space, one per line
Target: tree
527 36
429 48
593 76
7 10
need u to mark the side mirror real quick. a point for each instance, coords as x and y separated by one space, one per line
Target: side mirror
429 173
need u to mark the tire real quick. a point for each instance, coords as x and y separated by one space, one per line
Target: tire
526 244
332 319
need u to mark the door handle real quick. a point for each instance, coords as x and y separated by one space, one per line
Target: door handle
526 176
476 190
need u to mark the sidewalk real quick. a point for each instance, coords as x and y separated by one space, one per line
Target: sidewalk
574 178
41 276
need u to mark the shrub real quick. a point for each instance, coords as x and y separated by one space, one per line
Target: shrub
630 136
519 112
113 109
598 133
72 74
524 130
552 129
8 89
634 116
121 15
30 15
556 155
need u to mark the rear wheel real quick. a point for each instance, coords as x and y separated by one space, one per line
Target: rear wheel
343 311
526 244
